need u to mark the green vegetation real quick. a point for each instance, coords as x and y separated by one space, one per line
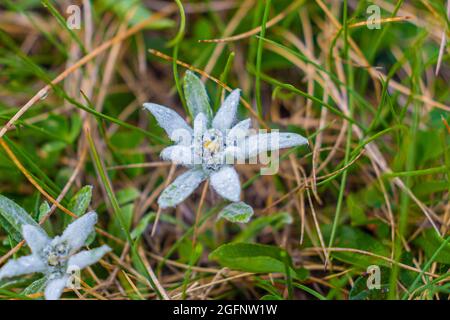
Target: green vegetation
372 188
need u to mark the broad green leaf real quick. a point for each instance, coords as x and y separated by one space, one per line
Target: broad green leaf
196 97
250 257
237 212
13 217
429 241
356 210
348 237
80 201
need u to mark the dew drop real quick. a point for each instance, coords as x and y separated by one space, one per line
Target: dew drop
43 95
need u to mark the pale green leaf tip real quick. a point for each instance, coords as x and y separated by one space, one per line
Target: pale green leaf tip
237 212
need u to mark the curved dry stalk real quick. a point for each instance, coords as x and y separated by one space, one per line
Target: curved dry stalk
367 253
294 5
106 45
220 83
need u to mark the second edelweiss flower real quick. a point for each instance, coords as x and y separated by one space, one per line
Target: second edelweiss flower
213 145
56 257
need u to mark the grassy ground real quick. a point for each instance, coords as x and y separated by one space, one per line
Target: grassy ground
372 189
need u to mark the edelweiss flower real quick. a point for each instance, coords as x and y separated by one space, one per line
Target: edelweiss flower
55 258
213 145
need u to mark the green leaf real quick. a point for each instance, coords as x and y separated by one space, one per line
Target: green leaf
13 217
80 201
124 7
188 254
35 287
196 97
127 195
12 232
237 212
142 225
275 221
348 237
255 258
126 215
356 210
360 290
271 297
429 241
44 209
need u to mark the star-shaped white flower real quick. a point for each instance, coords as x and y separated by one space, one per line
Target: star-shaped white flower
56 257
211 148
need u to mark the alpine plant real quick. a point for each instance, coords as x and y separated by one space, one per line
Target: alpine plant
56 258
211 148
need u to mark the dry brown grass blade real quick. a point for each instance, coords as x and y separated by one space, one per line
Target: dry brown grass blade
367 253
294 5
106 45
158 213
220 83
55 202
443 42
379 21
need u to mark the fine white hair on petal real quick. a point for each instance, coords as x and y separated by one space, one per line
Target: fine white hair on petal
238 132
264 142
78 231
181 188
233 155
169 120
179 155
23 265
226 183
86 258
200 124
55 288
226 115
35 237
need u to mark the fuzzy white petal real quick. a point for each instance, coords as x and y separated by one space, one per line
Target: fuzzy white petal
235 137
181 188
35 237
200 124
179 155
226 115
23 265
170 121
78 231
55 288
240 129
86 258
226 183
264 142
